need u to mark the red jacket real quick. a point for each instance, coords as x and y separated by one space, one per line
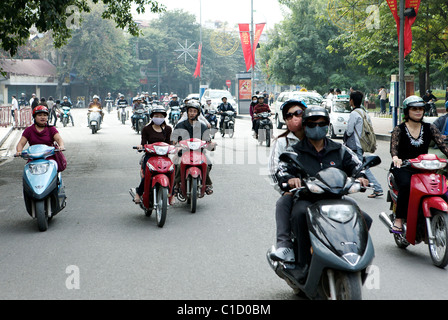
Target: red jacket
259 108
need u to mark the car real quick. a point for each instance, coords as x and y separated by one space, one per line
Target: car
193 96
310 98
339 109
216 95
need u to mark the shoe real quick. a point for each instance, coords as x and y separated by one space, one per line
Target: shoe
396 230
208 190
283 254
375 194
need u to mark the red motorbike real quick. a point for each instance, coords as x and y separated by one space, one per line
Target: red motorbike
159 180
193 171
427 212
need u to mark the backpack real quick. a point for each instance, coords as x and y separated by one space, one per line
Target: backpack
367 138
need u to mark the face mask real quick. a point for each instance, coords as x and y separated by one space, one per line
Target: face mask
295 124
158 121
316 133
254 101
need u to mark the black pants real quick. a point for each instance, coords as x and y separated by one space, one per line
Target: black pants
299 227
403 180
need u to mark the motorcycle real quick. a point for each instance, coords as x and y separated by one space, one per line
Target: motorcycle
159 180
43 188
210 116
431 109
65 115
427 218
94 117
140 120
109 106
175 115
265 128
341 247
122 114
228 126
193 171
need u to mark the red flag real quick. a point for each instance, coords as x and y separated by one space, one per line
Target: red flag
408 22
245 44
258 30
197 72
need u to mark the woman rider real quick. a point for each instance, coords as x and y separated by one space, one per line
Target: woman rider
409 140
156 131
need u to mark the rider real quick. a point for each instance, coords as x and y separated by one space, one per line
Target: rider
441 123
259 108
137 106
109 99
318 152
156 131
292 111
95 103
410 139
66 103
173 103
251 109
429 97
222 108
121 101
40 132
22 101
192 128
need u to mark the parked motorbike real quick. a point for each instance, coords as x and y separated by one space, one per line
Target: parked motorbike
193 171
65 115
175 115
228 125
341 247
94 117
159 180
140 120
427 212
43 188
265 128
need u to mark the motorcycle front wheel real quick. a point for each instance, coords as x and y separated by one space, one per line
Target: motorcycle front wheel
347 286
162 205
41 215
438 249
193 194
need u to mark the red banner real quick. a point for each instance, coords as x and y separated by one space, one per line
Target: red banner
258 30
393 8
197 72
408 22
245 44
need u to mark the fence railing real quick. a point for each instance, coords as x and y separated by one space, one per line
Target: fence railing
22 118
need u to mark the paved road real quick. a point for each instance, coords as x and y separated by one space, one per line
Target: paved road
216 253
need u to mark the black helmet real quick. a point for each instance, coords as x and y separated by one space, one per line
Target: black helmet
158 109
290 103
316 111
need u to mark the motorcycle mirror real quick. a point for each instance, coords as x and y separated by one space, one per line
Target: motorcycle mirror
371 161
293 158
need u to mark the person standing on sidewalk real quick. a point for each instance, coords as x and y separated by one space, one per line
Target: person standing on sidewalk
14 107
352 134
383 98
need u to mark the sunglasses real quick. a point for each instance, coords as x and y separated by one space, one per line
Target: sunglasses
297 113
314 124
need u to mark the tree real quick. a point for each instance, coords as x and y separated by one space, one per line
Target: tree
60 16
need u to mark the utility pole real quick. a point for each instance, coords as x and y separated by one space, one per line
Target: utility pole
401 59
252 74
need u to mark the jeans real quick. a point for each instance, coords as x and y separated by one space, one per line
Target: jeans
376 185
383 106
282 218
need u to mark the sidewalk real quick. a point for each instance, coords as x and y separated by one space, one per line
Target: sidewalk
4 133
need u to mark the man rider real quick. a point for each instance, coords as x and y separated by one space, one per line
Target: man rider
22 101
109 98
192 128
95 103
318 152
260 107
173 103
66 103
138 105
223 107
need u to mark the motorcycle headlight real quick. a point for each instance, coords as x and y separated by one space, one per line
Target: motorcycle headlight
314 188
338 212
38 168
194 145
356 187
429 164
161 151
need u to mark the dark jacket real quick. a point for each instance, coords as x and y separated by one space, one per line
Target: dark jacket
184 130
332 155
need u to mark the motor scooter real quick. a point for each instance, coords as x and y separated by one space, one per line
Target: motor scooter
265 128
228 125
427 218
65 115
109 106
174 115
210 116
122 114
94 118
431 109
140 120
43 188
193 171
341 247
159 180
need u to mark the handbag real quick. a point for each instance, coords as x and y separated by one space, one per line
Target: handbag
60 160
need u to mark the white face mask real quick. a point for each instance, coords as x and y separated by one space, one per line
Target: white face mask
254 101
158 121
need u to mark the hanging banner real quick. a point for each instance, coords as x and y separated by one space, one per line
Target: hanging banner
393 8
197 72
245 44
408 22
258 30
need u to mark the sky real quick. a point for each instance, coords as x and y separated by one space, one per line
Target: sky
232 11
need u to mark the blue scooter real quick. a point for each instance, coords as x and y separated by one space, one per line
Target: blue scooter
175 115
43 189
